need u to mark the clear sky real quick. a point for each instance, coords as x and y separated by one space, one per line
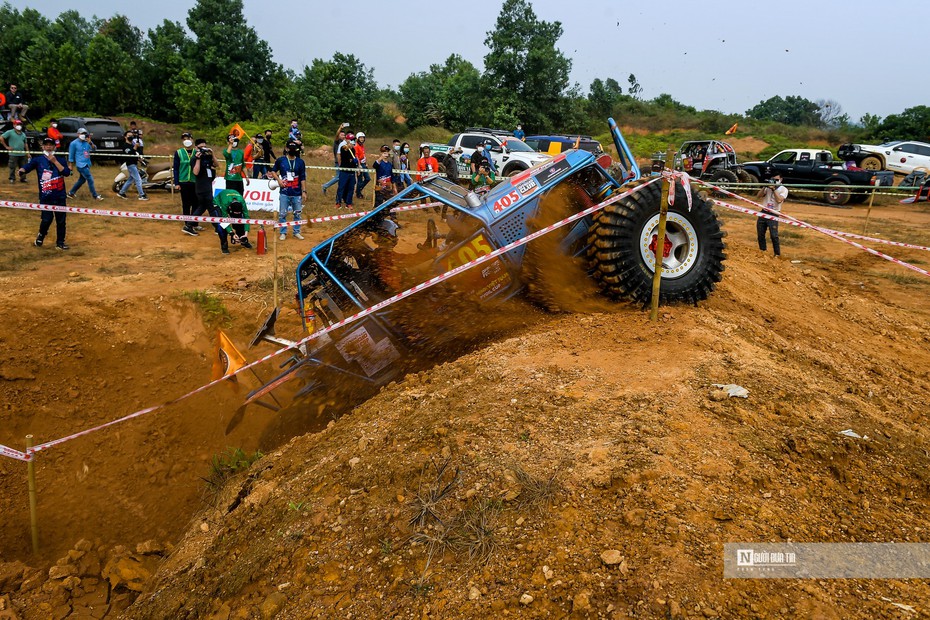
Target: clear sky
714 54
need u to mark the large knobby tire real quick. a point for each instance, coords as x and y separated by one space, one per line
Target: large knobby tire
745 177
623 264
872 163
835 195
724 176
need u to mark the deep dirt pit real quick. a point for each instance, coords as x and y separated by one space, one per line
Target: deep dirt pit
613 413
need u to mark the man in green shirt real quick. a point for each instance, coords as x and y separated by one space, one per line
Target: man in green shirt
14 140
231 204
235 165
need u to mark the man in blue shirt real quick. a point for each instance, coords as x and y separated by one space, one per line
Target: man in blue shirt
519 134
51 171
291 174
79 155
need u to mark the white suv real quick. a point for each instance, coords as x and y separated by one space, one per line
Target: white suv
901 156
510 155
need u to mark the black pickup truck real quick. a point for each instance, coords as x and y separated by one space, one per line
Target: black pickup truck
812 166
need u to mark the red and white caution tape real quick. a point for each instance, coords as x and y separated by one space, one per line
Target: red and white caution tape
31 206
829 233
14 454
800 224
351 319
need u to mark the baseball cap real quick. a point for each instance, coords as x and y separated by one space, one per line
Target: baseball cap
81 130
48 140
186 134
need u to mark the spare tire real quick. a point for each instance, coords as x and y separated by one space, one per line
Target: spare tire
622 251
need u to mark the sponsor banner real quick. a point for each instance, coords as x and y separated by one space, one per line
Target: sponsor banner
258 196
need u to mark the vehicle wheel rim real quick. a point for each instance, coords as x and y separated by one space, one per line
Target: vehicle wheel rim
684 245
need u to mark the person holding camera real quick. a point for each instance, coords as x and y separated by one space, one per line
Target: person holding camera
290 172
204 170
772 198
50 170
427 163
483 179
133 159
230 203
235 162
348 162
384 175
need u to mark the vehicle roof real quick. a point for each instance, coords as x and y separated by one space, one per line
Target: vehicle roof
499 132
560 137
90 119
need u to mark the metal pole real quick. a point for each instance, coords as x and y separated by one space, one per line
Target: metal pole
274 241
865 229
33 499
660 237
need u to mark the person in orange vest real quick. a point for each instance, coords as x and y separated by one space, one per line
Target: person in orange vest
53 133
248 155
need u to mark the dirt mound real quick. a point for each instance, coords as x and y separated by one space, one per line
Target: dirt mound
580 464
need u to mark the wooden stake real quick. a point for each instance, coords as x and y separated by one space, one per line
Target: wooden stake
660 237
33 498
865 229
274 241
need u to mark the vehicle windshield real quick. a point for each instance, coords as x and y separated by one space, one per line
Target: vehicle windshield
516 145
100 128
449 191
892 143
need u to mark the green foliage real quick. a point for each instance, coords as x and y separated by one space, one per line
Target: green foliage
227 464
212 307
792 110
229 48
525 74
113 85
342 89
911 124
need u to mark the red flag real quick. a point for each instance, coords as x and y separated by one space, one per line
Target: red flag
238 131
732 130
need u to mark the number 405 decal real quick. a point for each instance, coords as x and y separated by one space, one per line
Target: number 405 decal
505 202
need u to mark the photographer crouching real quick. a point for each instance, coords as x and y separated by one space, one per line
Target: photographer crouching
230 203
772 198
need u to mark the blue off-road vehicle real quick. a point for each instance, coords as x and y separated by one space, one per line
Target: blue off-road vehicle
389 251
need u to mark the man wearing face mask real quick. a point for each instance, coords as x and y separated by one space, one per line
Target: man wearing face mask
184 180
262 165
14 140
772 198
53 132
395 162
132 159
51 171
519 134
294 134
79 156
204 170
291 174
347 159
235 162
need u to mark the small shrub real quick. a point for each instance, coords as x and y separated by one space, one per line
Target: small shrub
227 464
211 307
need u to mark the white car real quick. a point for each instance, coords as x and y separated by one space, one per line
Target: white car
511 156
903 156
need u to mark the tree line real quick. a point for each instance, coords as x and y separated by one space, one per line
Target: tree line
217 70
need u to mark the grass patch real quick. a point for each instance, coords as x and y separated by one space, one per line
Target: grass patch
536 493
114 270
172 254
902 278
19 261
211 307
227 464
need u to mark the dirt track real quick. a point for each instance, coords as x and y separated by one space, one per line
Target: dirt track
617 409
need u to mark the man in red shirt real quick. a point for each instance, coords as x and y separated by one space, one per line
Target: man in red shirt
427 163
54 134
